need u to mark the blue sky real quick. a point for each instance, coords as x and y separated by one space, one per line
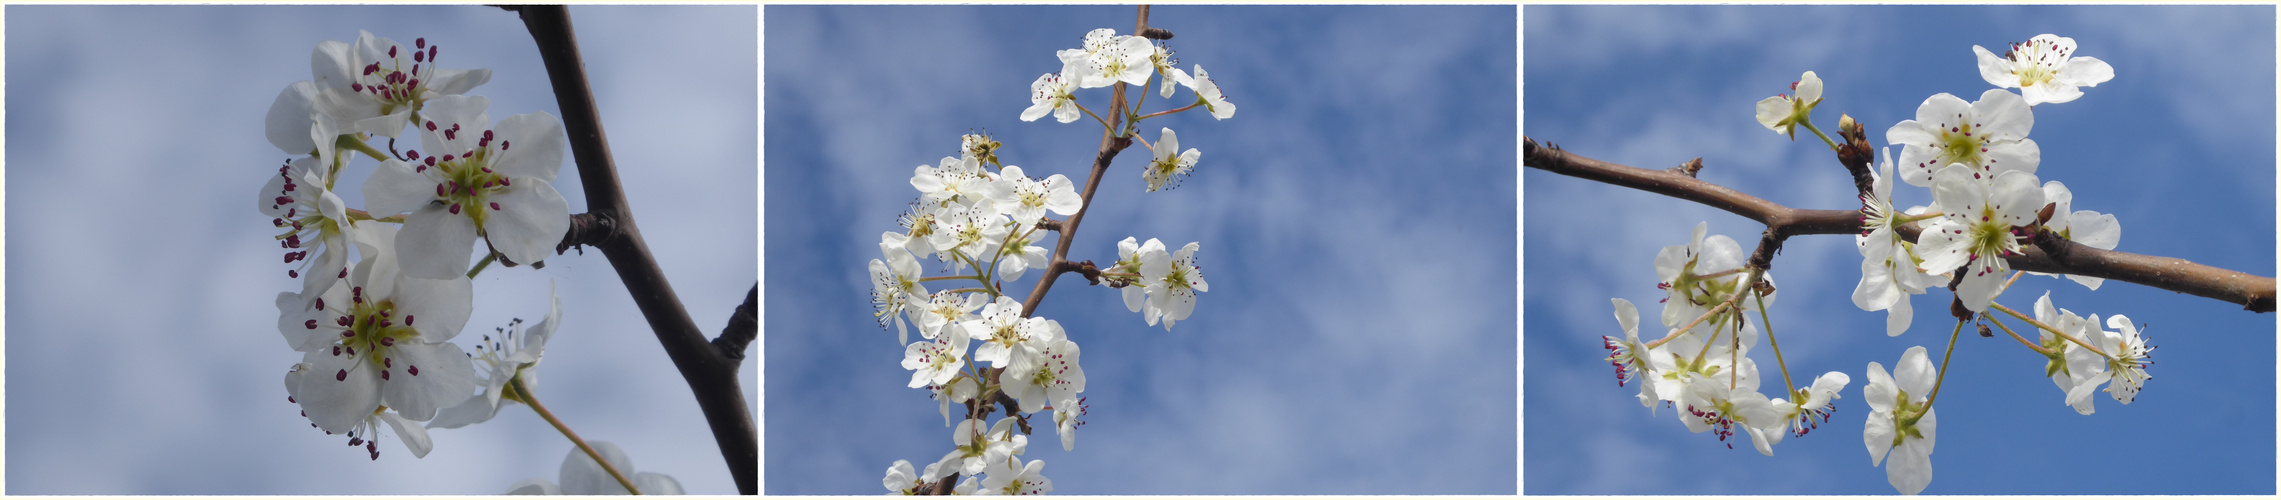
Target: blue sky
2179 146
1355 219
142 352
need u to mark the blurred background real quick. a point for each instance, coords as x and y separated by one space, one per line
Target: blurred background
142 351
1355 219
2179 147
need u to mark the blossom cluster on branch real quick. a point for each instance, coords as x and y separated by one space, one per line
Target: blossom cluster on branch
375 336
1988 206
981 220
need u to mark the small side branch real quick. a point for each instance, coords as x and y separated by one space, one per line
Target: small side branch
744 326
2050 255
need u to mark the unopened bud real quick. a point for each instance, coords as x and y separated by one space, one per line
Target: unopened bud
1846 125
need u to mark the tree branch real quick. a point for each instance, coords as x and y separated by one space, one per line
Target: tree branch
1110 146
2049 255
609 226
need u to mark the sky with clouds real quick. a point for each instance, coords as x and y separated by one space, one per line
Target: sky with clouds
1355 218
142 352
2179 146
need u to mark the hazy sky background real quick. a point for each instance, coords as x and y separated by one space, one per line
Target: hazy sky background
2179 146
1355 220
143 356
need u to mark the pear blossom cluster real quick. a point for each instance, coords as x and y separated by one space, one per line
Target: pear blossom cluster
1988 205
982 224
376 309
1701 365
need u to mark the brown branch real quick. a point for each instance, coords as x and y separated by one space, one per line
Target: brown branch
1111 144
609 226
2050 255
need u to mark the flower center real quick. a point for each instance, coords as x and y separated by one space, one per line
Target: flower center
1905 417
465 181
394 85
1960 145
373 327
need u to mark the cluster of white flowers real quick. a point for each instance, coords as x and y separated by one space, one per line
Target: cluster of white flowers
981 220
1702 364
1988 205
375 335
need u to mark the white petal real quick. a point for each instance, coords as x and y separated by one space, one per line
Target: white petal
534 146
424 377
2002 115
652 483
435 243
291 117
396 187
458 81
414 437
475 410
1912 466
1914 374
337 391
1995 69
2086 71
531 219
438 309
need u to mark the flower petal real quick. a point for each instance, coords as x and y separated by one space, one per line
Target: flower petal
532 217
445 376
396 187
535 142
435 243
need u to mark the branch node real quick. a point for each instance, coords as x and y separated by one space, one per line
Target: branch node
1092 272
1689 168
744 326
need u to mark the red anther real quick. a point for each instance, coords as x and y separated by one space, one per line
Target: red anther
503 180
312 324
344 273
431 53
336 350
384 374
356 293
289 399
420 43
412 153
503 145
419 56
447 134
487 184
388 362
391 51
431 161
289 213
452 134
415 82
342 376
352 350
284 200
419 168
407 320
320 303
486 170
494 205
414 370
440 191
289 273
431 126
455 208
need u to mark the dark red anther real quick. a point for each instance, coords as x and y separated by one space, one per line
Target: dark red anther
431 161
320 303
384 374
420 43
419 168
452 133
388 341
312 324
344 273
415 82
455 209
289 399
391 51
342 376
336 350
388 362
276 222
284 200
503 180
412 153
289 273
407 320
503 145
431 125
494 205
414 370
352 350
440 191
419 56
447 134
